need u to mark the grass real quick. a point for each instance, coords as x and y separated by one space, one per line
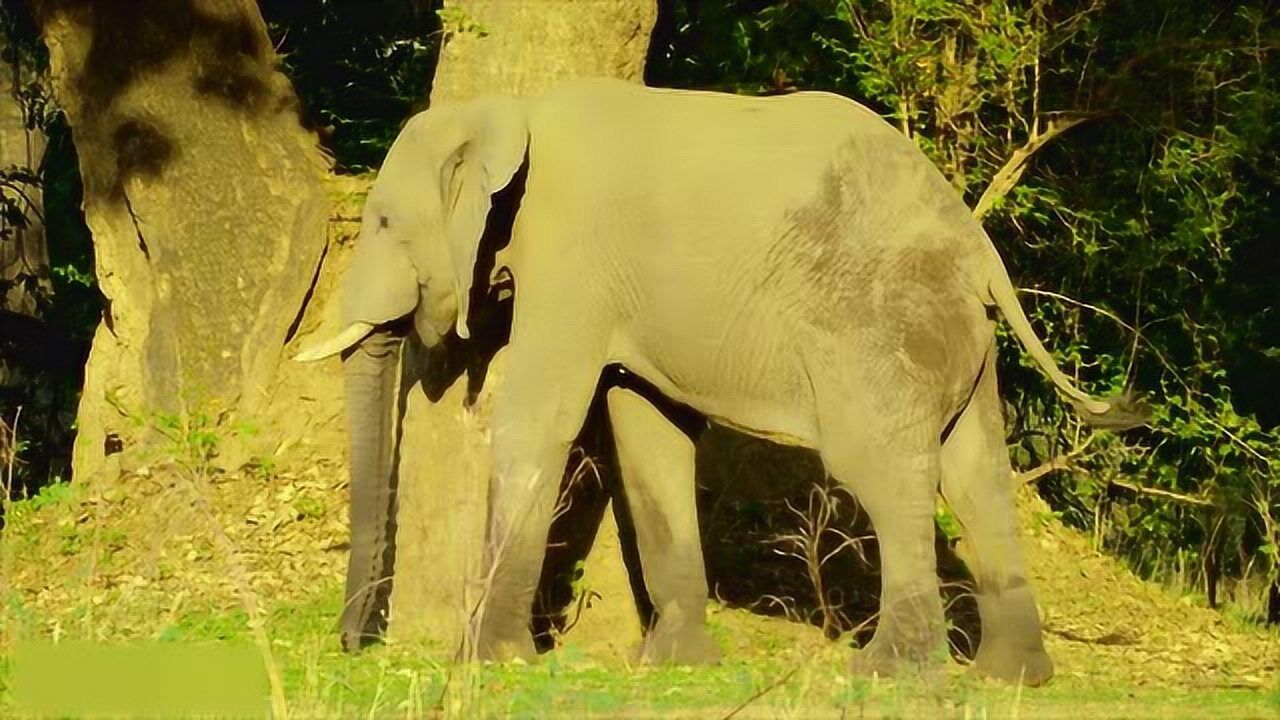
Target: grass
788 678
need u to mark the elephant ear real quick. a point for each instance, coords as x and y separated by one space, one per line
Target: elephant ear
490 149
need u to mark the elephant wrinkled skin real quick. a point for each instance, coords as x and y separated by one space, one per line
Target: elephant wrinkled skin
792 267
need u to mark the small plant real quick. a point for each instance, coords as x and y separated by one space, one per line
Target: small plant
947 523
455 20
309 507
263 468
583 596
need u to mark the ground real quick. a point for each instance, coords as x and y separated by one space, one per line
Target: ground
183 554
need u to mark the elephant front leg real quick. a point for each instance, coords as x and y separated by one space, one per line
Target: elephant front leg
534 424
657 464
523 498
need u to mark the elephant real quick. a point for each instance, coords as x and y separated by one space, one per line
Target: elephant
792 267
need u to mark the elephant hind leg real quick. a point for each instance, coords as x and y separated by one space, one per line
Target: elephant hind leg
891 466
976 484
657 463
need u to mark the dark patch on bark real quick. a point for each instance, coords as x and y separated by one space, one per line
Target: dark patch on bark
107 318
237 90
233 69
141 150
234 66
227 59
131 38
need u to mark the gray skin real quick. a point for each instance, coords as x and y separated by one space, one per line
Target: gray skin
790 266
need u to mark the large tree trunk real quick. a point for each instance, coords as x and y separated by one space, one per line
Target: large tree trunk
519 48
24 254
205 199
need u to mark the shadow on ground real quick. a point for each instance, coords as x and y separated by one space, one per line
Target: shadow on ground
769 515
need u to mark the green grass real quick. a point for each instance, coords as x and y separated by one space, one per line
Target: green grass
770 670
412 681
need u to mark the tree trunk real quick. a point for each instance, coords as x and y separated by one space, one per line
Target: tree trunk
205 199
24 255
1273 603
519 48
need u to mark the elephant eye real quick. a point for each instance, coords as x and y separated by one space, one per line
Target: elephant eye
382 222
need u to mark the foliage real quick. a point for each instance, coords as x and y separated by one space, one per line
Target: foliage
1125 161
360 68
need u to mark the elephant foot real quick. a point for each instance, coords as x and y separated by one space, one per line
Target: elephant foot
689 644
886 659
1031 667
505 647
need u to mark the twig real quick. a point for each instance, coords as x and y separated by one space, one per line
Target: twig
763 691
9 449
1119 321
31 204
1061 462
1168 366
1265 460
1165 494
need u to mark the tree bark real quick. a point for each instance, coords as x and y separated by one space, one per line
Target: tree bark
205 199
521 47
1273 603
24 253
513 47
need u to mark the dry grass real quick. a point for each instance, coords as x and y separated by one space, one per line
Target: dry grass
1100 615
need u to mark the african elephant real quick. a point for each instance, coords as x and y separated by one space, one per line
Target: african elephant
790 266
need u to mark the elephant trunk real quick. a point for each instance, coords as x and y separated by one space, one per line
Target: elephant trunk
369 373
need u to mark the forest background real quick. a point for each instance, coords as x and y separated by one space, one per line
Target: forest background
1122 155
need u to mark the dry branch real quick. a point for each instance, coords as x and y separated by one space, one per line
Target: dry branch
1061 462
1011 172
1162 494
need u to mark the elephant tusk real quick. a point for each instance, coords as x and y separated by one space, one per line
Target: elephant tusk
354 333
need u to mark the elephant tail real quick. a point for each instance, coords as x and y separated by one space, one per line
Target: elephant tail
1114 413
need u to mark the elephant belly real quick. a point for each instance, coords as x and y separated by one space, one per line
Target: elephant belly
743 382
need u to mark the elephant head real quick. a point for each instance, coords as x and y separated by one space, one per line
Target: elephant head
422 223
419 239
